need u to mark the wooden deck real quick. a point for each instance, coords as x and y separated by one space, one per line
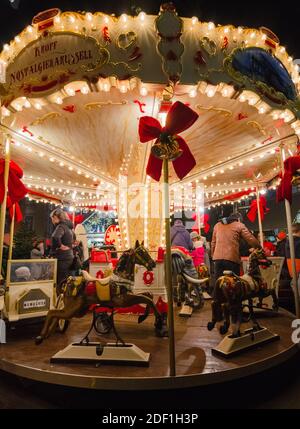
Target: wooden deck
196 365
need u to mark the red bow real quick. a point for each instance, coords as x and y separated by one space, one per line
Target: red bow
16 189
204 218
77 218
284 191
180 117
252 213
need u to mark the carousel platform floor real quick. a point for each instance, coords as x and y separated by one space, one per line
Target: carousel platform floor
196 365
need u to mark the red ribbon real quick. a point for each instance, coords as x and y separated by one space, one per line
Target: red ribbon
77 218
284 190
252 213
179 118
203 220
16 189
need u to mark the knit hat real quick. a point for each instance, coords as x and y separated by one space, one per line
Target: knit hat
23 273
281 235
194 234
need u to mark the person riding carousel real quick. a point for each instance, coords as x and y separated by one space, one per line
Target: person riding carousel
225 244
198 253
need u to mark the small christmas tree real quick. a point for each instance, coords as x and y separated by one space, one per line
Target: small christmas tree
23 242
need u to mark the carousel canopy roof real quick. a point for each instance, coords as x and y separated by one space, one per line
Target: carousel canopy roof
75 85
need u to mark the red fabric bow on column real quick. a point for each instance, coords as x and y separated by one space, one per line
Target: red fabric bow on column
203 220
252 213
180 117
16 189
77 218
284 191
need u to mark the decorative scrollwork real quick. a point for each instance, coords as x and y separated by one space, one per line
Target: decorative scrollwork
222 111
42 119
100 104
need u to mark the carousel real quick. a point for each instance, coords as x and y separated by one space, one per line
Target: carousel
147 117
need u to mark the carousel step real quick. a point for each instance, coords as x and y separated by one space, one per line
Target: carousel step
110 353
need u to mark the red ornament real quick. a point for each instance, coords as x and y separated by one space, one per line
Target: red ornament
26 130
225 43
69 108
141 105
179 118
242 116
269 139
105 33
148 277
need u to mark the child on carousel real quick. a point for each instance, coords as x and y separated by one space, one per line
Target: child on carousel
198 254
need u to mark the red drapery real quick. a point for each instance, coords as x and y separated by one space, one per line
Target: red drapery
284 190
16 189
179 118
252 213
204 219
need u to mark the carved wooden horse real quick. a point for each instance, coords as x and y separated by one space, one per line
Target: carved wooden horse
112 292
186 283
231 290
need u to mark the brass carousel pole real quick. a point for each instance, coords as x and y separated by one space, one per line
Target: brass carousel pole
3 206
288 213
168 269
11 233
259 217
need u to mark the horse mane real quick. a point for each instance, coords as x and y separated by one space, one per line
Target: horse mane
126 265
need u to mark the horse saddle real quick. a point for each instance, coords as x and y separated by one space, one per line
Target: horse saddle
102 286
103 290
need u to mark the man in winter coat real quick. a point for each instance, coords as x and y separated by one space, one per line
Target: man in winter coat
226 243
180 236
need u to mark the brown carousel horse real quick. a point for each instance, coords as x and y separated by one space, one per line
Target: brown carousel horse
111 292
231 291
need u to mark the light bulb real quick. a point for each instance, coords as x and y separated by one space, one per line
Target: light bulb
143 91
193 93
142 16
211 26
70 91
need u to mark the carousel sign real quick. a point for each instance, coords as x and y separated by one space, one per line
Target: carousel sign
52 61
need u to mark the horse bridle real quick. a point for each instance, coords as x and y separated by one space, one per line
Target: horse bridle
143 261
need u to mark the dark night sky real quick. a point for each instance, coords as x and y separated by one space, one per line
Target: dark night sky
283 18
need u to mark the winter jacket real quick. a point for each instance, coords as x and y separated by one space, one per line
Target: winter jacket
181 237
36 254
226 241
198 256
62 235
